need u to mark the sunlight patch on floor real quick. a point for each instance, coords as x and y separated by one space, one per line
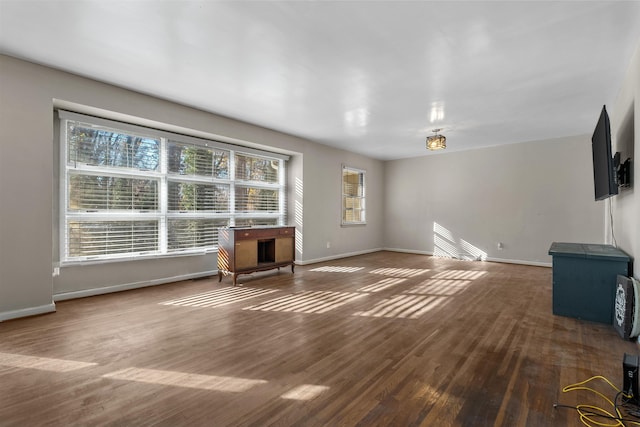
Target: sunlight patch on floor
431 395
336 269
400 272
404 306
460 274
183 379
219 297
305 392
307 302
381 285
42 363
439 287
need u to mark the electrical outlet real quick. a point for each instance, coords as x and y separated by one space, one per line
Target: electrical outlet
328 245
56 271
500 246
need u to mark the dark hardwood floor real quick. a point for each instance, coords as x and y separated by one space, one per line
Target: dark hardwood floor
385 339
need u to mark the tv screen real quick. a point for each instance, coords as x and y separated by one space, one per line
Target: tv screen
604 174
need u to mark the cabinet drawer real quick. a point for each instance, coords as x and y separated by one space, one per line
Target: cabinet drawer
248 234
287 231
261 233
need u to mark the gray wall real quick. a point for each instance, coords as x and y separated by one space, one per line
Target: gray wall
28 228
525 196
26 171
625 130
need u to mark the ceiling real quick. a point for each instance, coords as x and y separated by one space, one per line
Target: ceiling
372 77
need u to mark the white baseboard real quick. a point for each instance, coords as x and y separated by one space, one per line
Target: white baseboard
517 261
61 296
490 259
408 251
25 312
338 256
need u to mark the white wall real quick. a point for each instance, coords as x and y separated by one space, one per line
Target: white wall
27 220
525 195
625 130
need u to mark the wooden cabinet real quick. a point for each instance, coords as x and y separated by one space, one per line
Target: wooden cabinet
246 250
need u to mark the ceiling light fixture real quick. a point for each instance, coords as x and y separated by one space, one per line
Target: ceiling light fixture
436 142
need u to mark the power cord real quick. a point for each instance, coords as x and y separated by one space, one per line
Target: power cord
613 235
588 413
585 414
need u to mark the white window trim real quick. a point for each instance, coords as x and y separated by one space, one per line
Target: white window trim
344 223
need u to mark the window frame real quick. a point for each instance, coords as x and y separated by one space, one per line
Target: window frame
163 215
362 220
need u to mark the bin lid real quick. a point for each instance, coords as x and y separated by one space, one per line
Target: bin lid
588 250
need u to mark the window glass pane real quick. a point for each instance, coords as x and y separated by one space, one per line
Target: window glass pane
353 203
250 199
93 238
101 192
353 215
194 233
187 159
191 197
251 168
352 183
105 147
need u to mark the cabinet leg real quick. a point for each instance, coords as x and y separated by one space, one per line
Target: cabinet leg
219 276
292 267
235 276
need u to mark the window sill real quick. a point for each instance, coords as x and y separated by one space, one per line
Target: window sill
353 224
80 263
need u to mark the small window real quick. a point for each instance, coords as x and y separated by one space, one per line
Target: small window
353 196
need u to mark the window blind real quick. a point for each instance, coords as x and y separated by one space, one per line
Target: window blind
130 191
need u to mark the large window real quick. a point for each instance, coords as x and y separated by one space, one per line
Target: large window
353 196
129 191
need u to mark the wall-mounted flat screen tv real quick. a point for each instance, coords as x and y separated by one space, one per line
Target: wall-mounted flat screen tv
604 173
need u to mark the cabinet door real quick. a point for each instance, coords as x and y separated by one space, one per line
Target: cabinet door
246 254
284 249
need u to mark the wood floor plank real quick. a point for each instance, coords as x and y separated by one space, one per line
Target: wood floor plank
383 339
